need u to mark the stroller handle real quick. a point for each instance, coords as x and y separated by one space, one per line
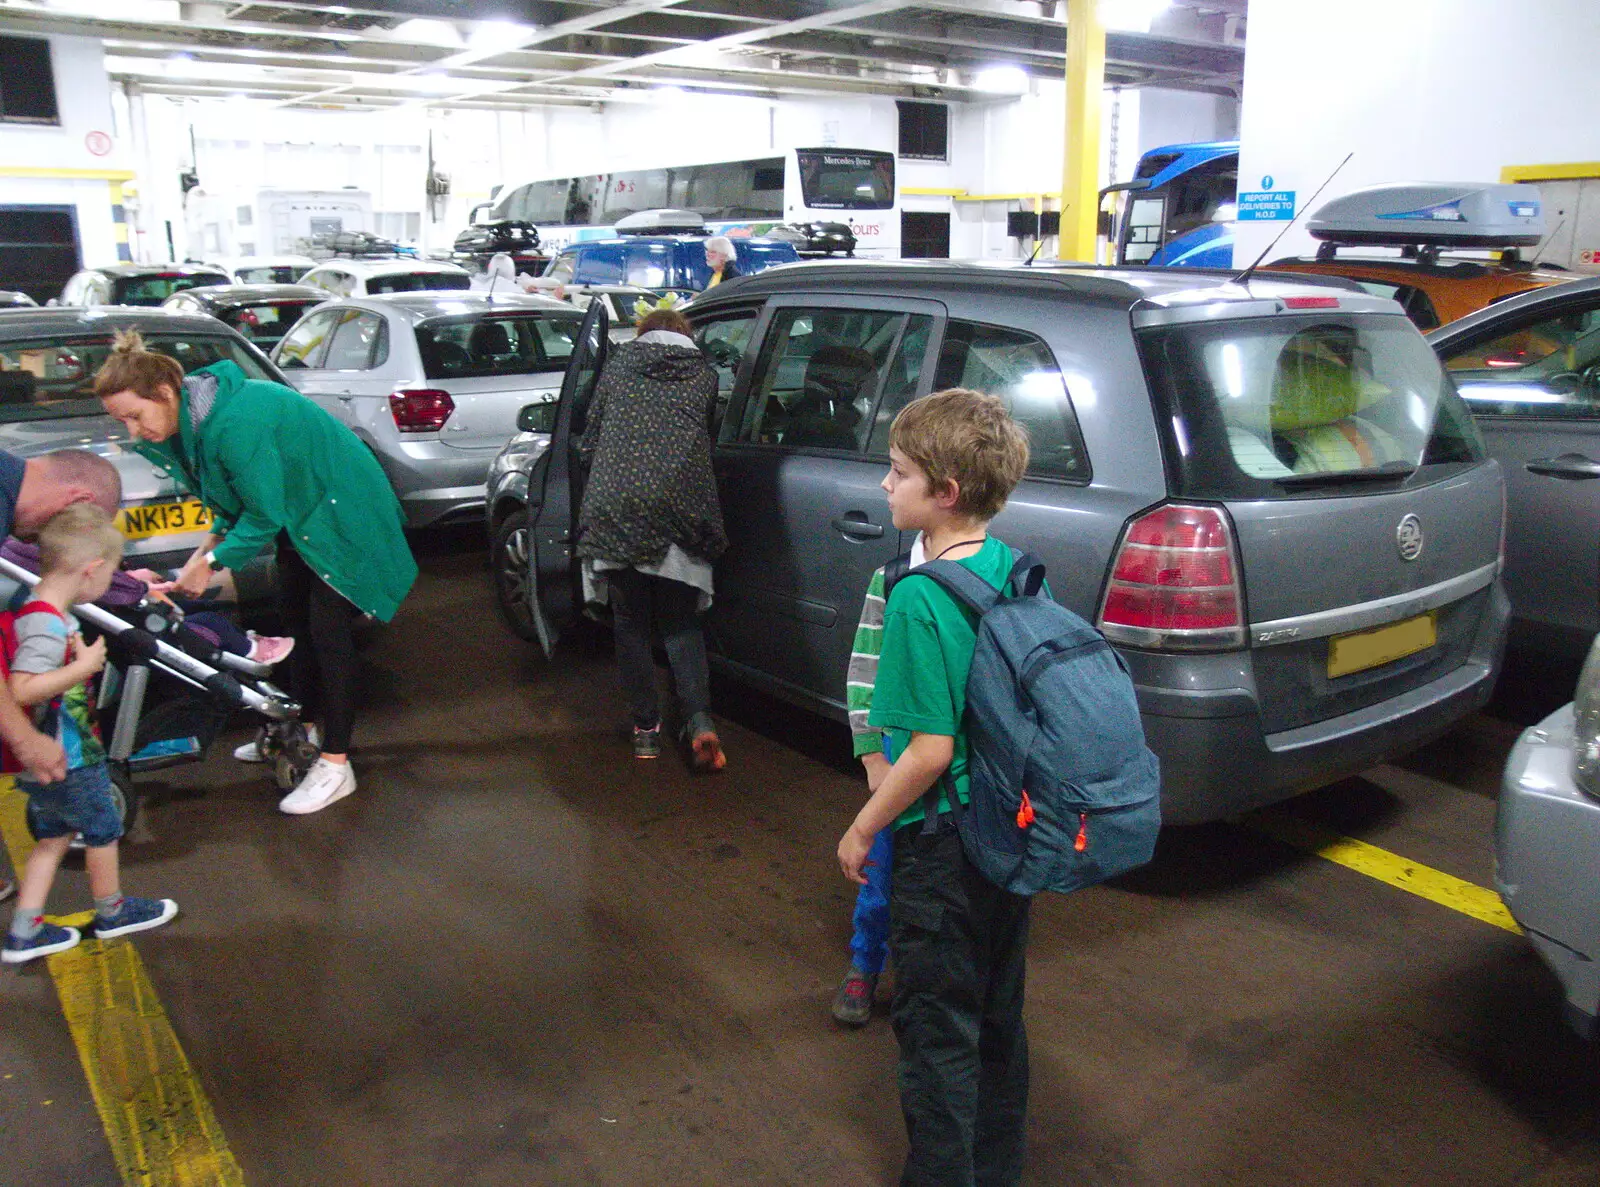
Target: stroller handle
265 699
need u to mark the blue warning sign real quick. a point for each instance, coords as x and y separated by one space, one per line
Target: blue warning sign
1266 206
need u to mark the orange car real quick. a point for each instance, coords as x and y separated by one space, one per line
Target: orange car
1432 291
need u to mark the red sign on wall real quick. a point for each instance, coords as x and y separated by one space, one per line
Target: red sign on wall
98 143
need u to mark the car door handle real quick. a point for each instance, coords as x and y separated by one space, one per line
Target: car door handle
1568 465
859 528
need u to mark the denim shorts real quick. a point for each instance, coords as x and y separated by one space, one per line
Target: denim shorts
81 803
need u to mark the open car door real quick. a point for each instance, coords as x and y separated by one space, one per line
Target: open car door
555 585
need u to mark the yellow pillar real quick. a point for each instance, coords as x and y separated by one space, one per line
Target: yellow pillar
1080 176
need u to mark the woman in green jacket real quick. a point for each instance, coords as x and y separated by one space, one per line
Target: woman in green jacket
275 468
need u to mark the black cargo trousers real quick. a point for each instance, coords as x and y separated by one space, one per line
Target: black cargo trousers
959 945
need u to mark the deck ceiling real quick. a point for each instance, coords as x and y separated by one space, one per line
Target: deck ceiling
517 54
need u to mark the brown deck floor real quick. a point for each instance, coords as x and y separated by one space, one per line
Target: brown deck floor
517 956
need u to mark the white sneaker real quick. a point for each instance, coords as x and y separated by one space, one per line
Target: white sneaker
250 752
324 783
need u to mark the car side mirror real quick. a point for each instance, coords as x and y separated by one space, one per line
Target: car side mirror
537 418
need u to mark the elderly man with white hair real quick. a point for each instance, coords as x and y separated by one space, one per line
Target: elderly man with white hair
719 258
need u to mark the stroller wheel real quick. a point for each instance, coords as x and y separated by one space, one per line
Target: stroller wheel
269 743
293 762
124 797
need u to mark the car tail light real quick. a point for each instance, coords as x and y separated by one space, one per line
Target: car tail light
1311 302
1175 583
421 410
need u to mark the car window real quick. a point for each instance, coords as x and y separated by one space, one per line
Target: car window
902 384
268 274
648 264
724 342
1019 368
418 282
1417 304
331 280
504 344
153 290
816 384
266 324
1549 368
358 338
305 346
46 378
563 266
1259 407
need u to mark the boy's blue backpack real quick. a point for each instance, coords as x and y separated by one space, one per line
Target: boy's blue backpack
1065 793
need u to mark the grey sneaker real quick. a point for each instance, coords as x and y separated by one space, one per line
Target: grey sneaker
646 743
852 1004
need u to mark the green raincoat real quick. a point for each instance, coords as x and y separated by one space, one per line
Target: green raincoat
265 459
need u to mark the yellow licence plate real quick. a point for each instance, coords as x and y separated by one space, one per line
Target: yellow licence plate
163 519
1374 648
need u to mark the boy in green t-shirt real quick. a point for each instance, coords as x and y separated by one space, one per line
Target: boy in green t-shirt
958 942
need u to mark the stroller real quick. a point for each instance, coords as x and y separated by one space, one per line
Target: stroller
168 689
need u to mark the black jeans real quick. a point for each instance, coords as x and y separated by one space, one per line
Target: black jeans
959 946
323 666
640 602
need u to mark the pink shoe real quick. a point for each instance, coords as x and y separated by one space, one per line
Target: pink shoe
269 649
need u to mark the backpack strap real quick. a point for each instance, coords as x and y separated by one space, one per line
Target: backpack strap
961 583
1027 574
893 571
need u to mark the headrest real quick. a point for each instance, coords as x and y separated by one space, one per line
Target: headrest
489 337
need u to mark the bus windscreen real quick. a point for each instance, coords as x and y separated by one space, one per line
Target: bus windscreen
841 179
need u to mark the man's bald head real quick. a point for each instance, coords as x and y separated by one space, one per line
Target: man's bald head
60 479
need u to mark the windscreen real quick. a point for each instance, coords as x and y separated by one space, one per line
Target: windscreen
153 290
267 323
1291 407
418 282
837 179
271 274
47 378
499 344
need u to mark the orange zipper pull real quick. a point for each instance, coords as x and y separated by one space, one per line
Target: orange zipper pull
1082 841
1025 811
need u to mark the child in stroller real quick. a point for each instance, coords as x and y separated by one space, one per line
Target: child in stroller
170 686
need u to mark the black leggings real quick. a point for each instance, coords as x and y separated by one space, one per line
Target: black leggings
323 667
639 602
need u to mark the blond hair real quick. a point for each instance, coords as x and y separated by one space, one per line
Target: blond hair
968 438
76 535
132 368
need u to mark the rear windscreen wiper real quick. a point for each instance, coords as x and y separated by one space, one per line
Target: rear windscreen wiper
1339 477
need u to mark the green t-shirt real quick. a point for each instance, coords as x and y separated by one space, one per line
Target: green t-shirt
922 671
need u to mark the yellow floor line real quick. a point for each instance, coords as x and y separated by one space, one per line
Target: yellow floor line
1448 891
161 1127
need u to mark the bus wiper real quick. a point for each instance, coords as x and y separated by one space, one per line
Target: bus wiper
1340 477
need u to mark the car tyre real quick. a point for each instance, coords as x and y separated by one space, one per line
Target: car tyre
508 564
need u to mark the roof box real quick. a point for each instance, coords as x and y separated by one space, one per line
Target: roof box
1469 214
660 222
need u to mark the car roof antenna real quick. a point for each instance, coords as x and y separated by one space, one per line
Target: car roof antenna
1545 246
1028 263
1244 277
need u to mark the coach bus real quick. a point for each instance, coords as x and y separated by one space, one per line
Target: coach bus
1179 209
737 198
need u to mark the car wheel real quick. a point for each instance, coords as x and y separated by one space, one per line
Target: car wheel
508 561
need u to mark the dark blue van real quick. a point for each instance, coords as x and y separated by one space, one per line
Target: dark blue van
659 262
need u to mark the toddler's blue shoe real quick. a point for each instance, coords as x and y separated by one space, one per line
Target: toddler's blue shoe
47 941
135 914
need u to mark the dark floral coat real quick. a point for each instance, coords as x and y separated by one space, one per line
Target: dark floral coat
648 440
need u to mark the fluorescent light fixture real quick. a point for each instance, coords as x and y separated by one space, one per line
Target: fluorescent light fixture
1002 80
120 10
1133 16
429 82
498 34
427 31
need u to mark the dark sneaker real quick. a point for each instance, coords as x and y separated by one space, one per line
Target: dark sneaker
47 941
136 914
646 743
705 748
7 889
852 1005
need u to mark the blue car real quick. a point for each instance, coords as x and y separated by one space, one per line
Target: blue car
661 263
